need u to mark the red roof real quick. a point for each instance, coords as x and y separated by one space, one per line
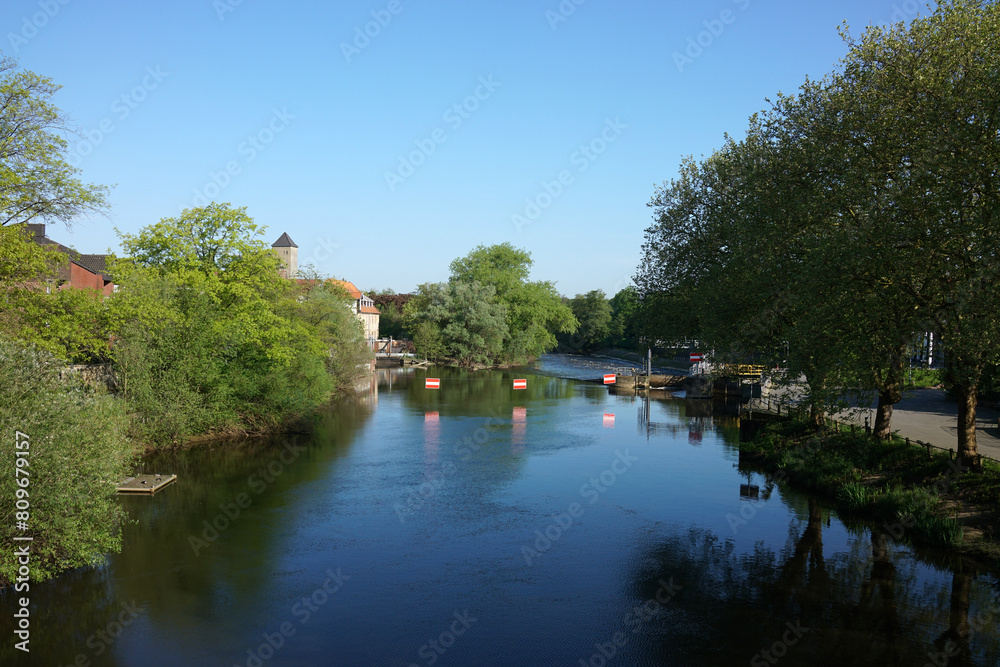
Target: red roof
349 287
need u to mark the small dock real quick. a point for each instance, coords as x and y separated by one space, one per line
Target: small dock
148 484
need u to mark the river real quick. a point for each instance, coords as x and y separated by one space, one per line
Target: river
475 524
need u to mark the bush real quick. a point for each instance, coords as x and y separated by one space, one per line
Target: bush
78 452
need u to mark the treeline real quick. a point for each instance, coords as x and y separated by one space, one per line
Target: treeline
488 313
202 337
604 322
202 334
854 214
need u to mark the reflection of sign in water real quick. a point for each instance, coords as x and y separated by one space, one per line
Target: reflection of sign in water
432 383
609 379
432 436
520 419
520 384
609 420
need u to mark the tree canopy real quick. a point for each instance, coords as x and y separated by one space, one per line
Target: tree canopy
515 321
856 213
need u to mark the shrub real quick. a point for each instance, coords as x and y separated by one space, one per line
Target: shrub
78 452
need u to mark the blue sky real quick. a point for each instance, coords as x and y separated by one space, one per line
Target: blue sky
388 154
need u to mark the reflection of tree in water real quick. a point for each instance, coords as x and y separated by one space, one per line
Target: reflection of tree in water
860 607
190 589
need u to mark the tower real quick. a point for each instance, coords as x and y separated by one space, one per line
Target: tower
288 252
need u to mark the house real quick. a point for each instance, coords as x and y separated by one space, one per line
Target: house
362 306
81 271
364 309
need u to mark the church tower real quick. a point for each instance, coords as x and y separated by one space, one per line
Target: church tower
288 252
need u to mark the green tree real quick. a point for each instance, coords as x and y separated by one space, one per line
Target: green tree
212 339
627 318
593 312
36 181
534 310
459 320
77 449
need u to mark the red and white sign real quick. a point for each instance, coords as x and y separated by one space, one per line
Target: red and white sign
609 420
609 379
696 357
520 384
432 383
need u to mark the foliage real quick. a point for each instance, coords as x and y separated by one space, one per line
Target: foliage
533 311
627 319
463 321
852 215
69 323
212 339
35 179
594 314
428 341
78 451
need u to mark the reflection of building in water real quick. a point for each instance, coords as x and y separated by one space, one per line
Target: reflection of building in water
699 418
367 389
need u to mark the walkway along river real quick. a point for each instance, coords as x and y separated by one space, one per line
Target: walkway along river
481 525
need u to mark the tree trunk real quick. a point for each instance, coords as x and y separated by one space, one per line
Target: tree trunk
968 400
890 393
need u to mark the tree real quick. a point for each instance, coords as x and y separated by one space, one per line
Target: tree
856 212
627 318
460 320
77 446
36 182
212 338
534 310
35 179
593 312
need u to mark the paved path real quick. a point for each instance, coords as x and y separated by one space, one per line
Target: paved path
928 415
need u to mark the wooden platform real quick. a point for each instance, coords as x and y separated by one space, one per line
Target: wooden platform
146 483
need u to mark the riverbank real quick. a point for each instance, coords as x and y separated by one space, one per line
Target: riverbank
917 496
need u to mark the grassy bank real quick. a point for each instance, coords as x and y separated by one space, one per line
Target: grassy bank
922 499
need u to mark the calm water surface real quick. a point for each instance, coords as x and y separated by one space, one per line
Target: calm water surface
478 525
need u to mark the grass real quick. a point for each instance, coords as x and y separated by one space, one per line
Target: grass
913 497
923 377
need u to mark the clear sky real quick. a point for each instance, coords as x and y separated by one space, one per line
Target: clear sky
386 155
